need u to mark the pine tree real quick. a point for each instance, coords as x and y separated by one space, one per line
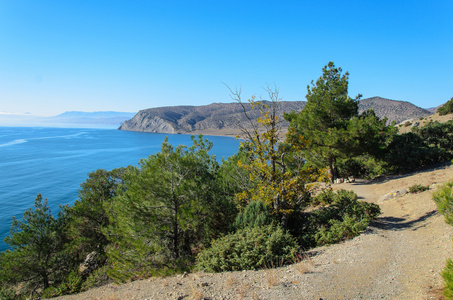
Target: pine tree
330 126
36 258
162 213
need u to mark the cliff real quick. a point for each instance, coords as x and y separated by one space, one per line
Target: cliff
224 118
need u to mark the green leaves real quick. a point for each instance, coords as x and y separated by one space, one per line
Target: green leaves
331 126
166 208
37 255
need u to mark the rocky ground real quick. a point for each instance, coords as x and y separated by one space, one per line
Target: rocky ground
400 256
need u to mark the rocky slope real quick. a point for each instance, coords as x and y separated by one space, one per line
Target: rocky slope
224 118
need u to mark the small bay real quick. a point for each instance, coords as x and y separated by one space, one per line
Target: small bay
55 161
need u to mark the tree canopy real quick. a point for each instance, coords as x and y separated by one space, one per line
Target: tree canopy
330 125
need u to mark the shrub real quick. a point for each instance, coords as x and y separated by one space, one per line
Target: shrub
7 293
254 215
325 197
447 108
249 249
418 188
444 201
447 275
345 218
364 166
97 278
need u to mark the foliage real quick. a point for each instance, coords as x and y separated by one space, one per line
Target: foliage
37 257
325 197
278 183
87 216
344 218
444 201
407 152
447 275
443 198
168 207
447 108
422 147
363 166
249 249
438 138
72 284
418 188
331 127
97 278
8 293
254 215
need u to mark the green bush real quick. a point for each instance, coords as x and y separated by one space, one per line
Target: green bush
249 249
325 197
7 293
418 188
444 201
447 275
364 166
72 284
344 218
339 230
96 278
254 215
447 108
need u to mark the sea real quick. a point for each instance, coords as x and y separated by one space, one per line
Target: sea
54 162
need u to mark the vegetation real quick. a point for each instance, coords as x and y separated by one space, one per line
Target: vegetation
249 249
344 217
279 184
170 205
37 257
182 209
447 108
444 201
331 126
418 188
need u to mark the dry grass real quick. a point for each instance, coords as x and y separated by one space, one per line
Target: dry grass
255 296
272 279
306 265
243 289
196 294
231 281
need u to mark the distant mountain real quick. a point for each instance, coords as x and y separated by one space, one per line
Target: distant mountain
392 109
433 110
223 118
98 117
109 118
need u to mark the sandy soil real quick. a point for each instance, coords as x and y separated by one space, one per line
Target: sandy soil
400 256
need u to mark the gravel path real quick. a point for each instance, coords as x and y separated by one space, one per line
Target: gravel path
400 256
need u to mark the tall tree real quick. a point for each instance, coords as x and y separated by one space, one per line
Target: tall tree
279 187
161 215
36 258
330 124
87 216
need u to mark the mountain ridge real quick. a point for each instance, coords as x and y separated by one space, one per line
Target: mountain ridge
224 118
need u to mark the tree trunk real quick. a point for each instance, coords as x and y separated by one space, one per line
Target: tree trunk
333 169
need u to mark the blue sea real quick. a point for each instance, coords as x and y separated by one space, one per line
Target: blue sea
55 161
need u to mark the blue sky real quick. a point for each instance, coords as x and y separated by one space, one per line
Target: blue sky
58 56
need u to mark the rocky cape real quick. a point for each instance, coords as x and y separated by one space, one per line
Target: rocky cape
224 118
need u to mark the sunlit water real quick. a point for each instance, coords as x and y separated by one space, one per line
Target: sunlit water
55 161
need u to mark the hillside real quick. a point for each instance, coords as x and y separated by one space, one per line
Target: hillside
223 118
399 257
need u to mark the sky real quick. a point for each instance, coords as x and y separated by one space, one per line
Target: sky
108 55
